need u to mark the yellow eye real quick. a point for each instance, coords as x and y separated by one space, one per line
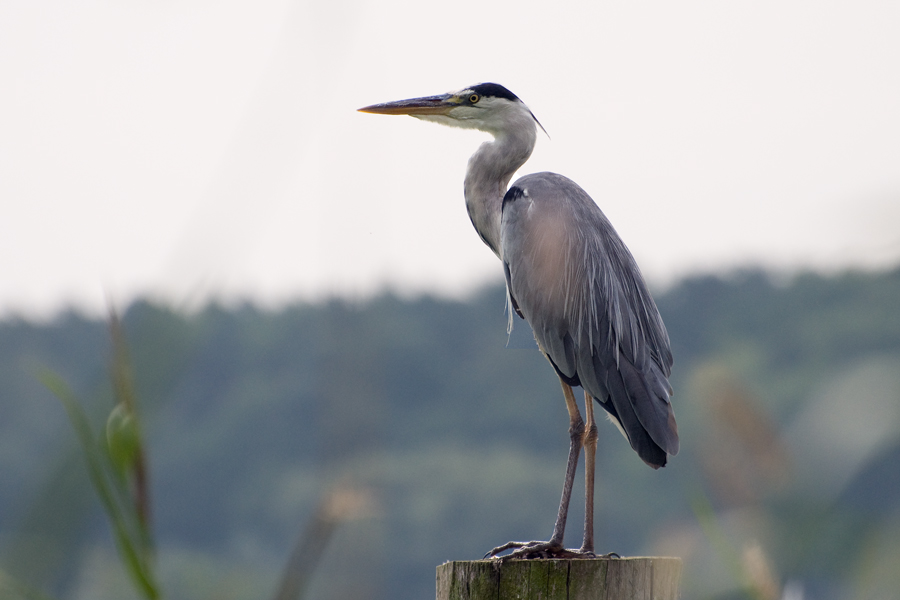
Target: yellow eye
473 98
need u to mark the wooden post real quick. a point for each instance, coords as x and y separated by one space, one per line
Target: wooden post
638 578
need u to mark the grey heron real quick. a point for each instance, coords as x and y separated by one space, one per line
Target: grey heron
571 277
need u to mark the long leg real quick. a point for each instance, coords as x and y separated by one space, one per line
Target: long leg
576 433
590 454
554 546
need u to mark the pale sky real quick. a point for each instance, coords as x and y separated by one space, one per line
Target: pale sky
211 149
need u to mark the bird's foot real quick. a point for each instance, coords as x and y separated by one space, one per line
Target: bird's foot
528 550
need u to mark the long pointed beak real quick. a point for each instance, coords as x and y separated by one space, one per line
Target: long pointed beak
428 105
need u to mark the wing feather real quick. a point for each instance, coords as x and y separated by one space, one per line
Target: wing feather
576 283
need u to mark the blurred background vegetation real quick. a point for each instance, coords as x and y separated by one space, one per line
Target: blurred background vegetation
445 442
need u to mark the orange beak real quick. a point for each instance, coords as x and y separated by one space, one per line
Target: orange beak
427 105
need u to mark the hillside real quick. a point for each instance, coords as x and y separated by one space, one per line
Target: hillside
787 398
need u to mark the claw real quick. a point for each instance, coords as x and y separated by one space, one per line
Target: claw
518 545
530 550
507 546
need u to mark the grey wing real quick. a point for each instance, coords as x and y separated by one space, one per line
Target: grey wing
569 274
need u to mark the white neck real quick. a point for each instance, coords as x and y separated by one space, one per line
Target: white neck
489 172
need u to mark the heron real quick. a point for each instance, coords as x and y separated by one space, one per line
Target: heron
570 276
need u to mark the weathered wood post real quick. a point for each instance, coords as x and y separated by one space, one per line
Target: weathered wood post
638 578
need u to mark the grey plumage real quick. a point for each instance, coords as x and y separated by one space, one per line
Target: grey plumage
571 277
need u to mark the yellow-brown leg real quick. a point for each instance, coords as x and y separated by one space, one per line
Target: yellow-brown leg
553 548
590 454
576 433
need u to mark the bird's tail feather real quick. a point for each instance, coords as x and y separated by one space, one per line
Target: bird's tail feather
639 402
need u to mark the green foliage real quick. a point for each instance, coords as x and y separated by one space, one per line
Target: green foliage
122 439
109 474
115 466
785 396
13 589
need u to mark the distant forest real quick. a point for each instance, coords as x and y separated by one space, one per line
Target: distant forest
453 436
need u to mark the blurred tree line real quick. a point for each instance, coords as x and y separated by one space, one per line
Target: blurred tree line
787 393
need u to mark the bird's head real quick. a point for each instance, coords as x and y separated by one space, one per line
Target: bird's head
487 107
